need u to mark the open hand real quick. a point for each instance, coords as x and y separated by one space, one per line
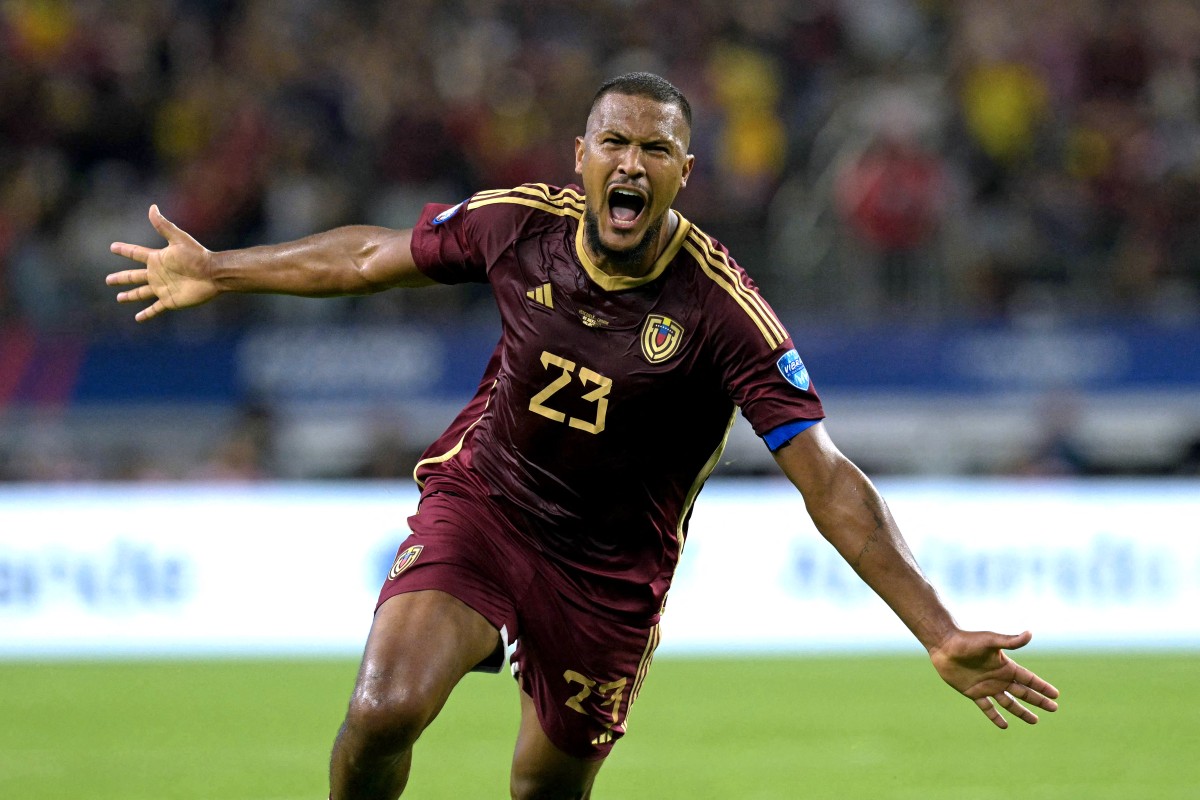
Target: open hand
973 662
177 276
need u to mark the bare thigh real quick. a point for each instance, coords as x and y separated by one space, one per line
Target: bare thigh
421 645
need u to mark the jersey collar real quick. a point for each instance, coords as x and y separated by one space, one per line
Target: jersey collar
616 283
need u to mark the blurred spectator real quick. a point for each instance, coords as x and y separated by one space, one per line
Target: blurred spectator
1056 451
893 195
390 457
1078 140
245 453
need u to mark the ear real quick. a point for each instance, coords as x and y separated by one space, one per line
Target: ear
579 147
688 163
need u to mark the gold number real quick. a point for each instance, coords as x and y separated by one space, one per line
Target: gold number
576 703
536 405
599 395
611 692
617 688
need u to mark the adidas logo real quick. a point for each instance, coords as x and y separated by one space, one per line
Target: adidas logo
541 296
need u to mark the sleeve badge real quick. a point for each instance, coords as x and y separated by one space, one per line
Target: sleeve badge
793 370
404 560
445 215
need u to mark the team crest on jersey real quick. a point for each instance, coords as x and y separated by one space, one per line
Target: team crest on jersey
447 214
404 560
793 369
661 337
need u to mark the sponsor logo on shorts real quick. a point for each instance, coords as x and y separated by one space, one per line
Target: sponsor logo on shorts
793 370
661 337
447 214
404 560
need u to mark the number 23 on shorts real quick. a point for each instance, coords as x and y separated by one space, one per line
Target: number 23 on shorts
612 693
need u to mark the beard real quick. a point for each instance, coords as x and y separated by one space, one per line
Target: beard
629 260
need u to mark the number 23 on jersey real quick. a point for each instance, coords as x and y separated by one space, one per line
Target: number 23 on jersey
541 402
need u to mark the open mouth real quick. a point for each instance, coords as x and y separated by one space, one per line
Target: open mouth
625 206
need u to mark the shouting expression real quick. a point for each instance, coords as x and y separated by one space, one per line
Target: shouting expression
633 160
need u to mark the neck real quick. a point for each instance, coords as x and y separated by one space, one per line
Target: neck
631 263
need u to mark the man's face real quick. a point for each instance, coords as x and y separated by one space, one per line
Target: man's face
633 160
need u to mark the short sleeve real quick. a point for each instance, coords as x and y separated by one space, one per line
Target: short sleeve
760 367
771 386
458 243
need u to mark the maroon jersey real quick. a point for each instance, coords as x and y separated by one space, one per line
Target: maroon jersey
608 400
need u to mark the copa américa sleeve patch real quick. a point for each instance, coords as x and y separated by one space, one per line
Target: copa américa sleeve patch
793 370
447 214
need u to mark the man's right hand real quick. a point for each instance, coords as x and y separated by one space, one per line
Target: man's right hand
177 276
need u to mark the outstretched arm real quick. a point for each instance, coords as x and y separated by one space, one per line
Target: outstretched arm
849 512
357 259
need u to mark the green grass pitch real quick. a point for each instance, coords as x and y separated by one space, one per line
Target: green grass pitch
751 729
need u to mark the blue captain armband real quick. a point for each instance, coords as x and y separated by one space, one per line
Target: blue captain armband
780 436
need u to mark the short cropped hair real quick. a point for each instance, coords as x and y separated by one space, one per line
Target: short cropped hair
645 84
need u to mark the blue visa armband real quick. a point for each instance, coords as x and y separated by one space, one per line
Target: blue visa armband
780 436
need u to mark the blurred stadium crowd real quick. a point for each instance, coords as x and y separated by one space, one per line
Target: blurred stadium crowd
987 157
866 160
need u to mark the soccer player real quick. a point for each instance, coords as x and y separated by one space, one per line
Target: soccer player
554 509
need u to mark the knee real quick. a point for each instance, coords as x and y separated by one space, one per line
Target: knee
387 719
543 787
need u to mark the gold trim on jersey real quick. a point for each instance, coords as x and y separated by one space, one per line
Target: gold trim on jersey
717 266
559 210
453 451
565 202
693 492
615 283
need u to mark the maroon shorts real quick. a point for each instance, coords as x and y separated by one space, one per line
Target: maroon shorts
583 670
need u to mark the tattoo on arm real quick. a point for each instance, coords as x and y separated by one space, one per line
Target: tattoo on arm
874 505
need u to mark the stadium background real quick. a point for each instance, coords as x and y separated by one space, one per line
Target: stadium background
977 219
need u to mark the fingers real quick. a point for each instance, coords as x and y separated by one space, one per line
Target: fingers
1010 700
139 278
1012 706
164 226
989 710
127 277
140 294
150 312
1031 696
1016 642
1009 704
167 229
1005 641
976 665
133 251
1028 678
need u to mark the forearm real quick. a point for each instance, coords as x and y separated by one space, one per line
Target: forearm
853 517
356 259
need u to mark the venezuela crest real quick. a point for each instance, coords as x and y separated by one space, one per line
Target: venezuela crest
661 337
404 560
